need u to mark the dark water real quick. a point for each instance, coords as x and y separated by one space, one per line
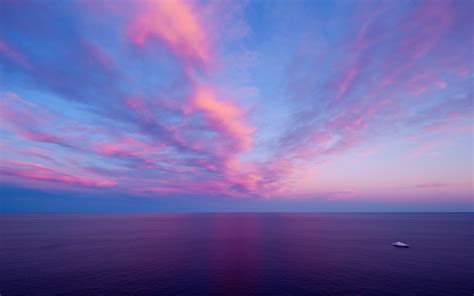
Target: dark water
236 254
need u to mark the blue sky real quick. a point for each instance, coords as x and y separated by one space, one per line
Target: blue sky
223 105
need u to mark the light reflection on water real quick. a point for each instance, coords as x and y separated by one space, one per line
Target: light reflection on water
236 254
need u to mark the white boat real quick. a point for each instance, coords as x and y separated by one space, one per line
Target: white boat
400 245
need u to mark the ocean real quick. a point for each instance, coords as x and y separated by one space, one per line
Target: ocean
237 254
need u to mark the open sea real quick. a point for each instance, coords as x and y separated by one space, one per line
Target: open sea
237 254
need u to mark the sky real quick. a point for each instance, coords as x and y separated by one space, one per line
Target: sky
181 105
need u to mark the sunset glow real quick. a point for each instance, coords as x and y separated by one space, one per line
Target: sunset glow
354 102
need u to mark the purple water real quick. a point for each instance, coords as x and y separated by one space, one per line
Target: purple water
236 254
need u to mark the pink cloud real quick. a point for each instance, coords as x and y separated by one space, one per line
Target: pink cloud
178 24
454 122
347 79
224 116
126 146
430 148
463 70
441 84
38 153
421 31
27 120
431 185
369 151
140 107
14 55
101 57
194 138
38 172
15 109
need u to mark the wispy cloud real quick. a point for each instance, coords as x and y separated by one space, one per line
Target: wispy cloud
170 97
432 185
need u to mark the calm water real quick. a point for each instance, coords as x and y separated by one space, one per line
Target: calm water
236 254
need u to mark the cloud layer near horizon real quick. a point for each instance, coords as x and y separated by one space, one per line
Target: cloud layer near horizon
263 99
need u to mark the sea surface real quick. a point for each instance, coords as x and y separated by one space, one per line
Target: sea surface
236 254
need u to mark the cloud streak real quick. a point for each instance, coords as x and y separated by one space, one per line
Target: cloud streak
145 97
